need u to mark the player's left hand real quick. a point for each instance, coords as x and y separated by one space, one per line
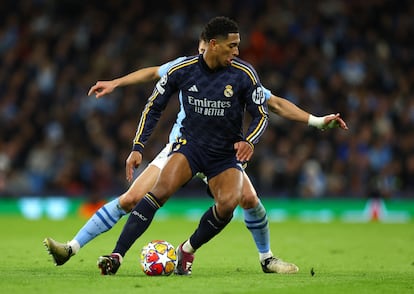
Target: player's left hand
244 151
333 121
133 161
102 88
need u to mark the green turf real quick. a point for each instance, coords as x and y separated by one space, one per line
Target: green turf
346 258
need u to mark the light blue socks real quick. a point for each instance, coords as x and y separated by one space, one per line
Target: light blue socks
257 223
103 220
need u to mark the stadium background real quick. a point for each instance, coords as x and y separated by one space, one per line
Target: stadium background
351 57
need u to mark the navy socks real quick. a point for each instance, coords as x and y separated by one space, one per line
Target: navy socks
138 222
210 225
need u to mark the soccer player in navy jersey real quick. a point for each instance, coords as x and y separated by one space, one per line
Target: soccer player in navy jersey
216 89
255 215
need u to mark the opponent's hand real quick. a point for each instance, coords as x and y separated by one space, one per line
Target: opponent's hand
101 88
244 151
333 121
133 161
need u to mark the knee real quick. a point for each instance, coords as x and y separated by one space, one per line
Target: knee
248 200
128 200
225 207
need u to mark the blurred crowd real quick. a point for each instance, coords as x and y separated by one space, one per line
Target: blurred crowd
326 56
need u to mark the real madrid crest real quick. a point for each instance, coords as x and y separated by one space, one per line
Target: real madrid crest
228 91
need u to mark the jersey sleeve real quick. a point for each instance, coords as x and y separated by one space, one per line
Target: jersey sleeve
257 107
163 69
156 103
267 93
256 97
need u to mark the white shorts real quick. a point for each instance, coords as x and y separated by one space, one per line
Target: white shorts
161 159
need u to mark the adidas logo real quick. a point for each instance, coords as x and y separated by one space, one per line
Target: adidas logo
193 88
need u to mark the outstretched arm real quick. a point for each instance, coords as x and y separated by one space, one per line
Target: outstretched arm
288 110
148 74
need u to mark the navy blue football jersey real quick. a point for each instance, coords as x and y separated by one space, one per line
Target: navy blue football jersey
214 102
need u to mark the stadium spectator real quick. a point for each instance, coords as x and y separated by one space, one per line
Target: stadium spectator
320 56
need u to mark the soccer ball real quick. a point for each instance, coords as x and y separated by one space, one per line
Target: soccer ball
158 258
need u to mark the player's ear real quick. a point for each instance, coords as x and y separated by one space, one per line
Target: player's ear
212 43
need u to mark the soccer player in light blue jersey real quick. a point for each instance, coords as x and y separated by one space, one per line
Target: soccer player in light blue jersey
254 213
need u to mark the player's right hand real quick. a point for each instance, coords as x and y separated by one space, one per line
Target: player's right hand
333 121
244 151
133 161
101 88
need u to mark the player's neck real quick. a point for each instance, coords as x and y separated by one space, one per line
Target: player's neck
210 62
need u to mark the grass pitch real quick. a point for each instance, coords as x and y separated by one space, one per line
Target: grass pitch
345 258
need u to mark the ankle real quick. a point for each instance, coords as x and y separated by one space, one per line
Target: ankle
75 246
264 256
118 256
187 248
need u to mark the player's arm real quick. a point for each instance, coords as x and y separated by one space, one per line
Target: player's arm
150 116
257 108
148 74
140 76
288 110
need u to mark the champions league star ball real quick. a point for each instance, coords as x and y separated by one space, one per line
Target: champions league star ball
158 258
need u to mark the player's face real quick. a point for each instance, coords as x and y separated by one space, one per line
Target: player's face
202 46
228 48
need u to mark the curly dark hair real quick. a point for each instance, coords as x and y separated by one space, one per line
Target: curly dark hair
219 26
